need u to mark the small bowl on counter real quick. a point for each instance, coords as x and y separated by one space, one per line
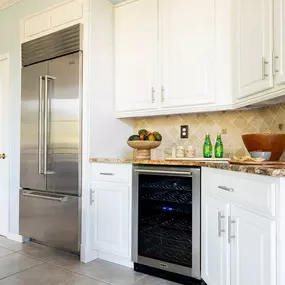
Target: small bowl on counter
266 155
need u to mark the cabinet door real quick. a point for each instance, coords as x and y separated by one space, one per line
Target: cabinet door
215 249
255 37
187 30
279 42
136 55
111 217
253 248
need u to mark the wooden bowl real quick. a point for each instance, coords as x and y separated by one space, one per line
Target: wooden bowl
143 148
274 143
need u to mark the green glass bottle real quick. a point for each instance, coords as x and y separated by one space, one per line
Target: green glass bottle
219 148
208 148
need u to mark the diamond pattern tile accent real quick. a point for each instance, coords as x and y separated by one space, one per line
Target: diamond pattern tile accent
236 122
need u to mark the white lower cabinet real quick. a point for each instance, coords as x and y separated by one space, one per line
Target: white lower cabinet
239 243
253 248
215 249
110 213
111 217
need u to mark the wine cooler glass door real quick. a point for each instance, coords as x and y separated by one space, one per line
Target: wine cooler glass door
168 218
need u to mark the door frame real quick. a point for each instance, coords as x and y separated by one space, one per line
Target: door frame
6 134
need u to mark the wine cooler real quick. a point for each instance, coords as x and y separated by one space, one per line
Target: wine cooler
166 219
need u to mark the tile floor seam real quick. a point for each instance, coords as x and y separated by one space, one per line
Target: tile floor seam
139 280
20 271
78 273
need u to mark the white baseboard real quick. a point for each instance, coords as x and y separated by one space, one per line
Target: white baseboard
16 237
87 255
115 259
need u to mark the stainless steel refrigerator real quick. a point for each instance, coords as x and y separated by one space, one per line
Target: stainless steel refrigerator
50 194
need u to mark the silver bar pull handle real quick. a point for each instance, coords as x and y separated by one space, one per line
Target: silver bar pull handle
40 121
274 66
47 109
230 235
91 200
183 173
264 63
162 94
220 217
152 94
107 174
226 188
58 199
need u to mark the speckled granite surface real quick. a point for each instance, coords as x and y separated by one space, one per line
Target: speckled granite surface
274 171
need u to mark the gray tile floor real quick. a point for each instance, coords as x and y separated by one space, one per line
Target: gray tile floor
33 264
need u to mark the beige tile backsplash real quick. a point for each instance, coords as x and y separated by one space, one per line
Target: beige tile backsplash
235 122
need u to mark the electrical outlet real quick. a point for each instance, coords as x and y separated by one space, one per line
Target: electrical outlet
224 131
184 132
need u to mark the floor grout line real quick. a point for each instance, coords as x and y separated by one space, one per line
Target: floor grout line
20 271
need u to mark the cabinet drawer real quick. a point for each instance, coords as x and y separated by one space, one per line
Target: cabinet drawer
254 192
105 172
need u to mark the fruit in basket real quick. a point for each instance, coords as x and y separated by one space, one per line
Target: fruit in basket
144 135
157 136
143 132
151 137
134 138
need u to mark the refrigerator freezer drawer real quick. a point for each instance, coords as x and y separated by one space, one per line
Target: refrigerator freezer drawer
51 219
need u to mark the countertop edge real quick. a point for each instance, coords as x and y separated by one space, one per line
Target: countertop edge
277 172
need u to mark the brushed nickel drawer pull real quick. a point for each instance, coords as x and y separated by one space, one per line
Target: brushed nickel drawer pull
226 188
107 174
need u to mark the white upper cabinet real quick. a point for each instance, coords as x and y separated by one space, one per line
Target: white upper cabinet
215 247
255 46
136 55
279 42
187 37
253 251
54 19
172 56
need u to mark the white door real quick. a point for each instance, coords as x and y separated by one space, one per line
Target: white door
136 51
4 144
111 218
279 42
255 46
187 44
253 249
215 248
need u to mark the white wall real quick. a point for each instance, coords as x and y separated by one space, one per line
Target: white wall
105 130
108 135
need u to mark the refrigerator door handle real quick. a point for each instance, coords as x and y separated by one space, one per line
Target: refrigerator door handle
47 110
53 198
40 143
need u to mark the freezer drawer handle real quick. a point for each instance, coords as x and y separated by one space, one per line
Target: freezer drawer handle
59 199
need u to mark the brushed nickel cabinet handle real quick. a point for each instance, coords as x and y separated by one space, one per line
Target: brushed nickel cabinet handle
91 200
274 59
264 63
152 94
162 94
220 217
230 235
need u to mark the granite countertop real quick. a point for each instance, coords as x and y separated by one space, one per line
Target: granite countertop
274 171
